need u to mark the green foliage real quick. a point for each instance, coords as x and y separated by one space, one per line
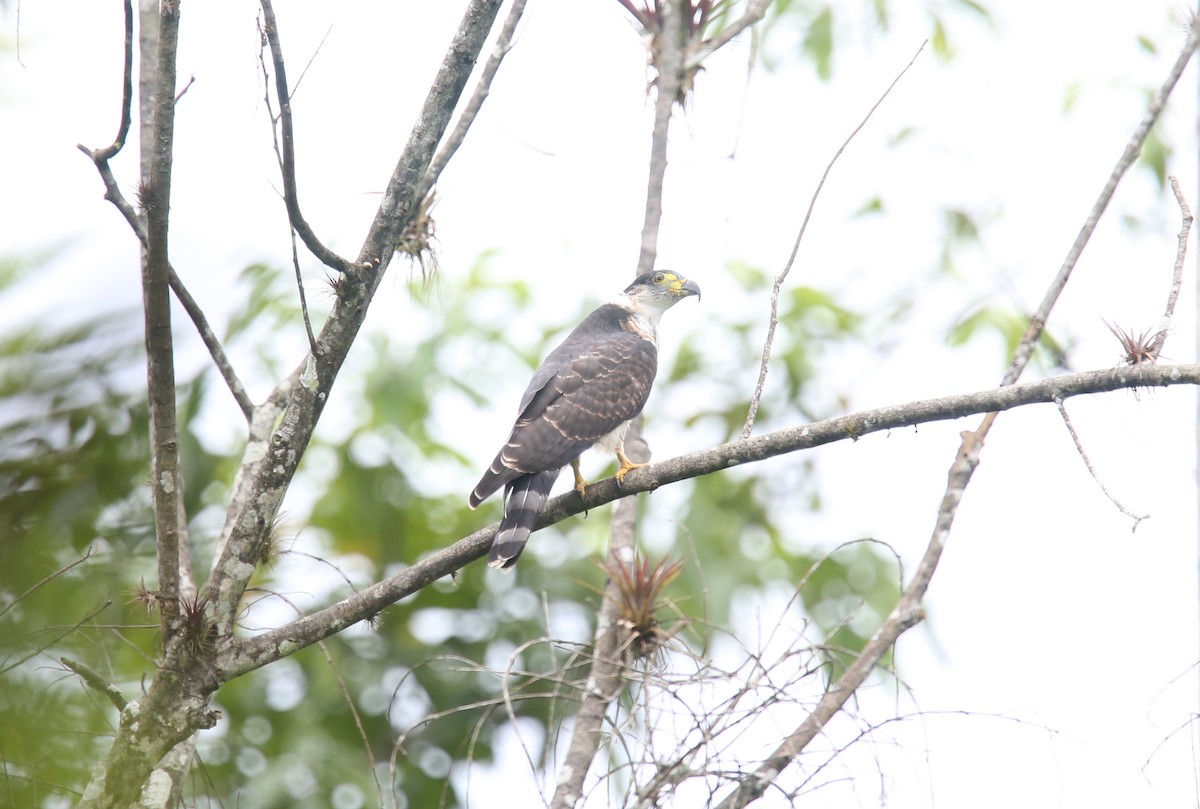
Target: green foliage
1156 154
818 42
1010 325
392 480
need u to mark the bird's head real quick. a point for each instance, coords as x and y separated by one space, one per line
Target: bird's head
653 293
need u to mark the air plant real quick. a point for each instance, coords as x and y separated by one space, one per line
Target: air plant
698 18
638 589
1139 349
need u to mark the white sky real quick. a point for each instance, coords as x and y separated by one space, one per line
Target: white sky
1045 609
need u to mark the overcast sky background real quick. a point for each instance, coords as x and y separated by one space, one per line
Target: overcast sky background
1046 609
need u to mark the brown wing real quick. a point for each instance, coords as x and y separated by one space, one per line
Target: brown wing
595 381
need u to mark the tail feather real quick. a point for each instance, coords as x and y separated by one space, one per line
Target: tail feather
524 499
497 475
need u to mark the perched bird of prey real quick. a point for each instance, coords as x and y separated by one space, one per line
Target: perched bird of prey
584 393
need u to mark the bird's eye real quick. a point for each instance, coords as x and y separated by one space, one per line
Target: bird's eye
659 278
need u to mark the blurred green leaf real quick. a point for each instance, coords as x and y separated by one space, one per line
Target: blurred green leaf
818 42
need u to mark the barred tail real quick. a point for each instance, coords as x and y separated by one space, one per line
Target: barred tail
524 499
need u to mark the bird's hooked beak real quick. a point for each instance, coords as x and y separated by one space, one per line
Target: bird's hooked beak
683 287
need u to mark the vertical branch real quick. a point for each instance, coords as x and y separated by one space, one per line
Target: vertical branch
147 71
1196 314
156 292
604 678
668 63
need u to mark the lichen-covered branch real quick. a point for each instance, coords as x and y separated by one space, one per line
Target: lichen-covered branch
166 481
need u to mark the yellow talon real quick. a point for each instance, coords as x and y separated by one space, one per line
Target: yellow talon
627 466
580 483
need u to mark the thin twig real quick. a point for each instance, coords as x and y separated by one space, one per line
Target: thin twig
312 340
773 322
44 580
212 343
137 223
471 110
349 699
909 611
1137 518
1132 149
93 680
1185 228
110 151
7 667
291 196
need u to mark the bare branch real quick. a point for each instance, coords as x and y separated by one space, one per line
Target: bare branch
908 610
209 337
112 193
1137 518
482 87
265 475
110 151
667 59
604 683
773 322
312 340
400 201
1185 228
291 196
93 680
1132 149
242 655
160 351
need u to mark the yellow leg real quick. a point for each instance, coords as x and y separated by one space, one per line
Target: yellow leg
580 483
627 465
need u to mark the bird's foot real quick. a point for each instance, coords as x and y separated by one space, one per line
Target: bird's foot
581 485
627 466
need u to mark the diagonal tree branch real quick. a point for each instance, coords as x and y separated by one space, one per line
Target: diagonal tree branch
268 469
241 655
112 193
908 611
475 104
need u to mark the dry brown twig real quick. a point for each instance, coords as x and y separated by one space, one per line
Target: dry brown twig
776 288
112 192
1145 347
1137 518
